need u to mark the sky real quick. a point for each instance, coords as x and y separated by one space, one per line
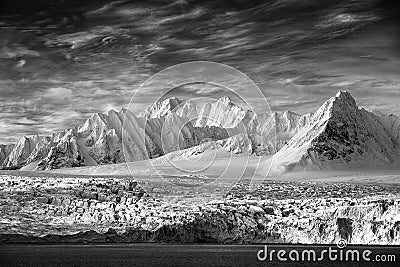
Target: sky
61 61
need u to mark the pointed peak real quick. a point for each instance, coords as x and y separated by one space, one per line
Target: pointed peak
340 100
342 93
161 107
98 115
345 96
112 112
173 101
341 103
225 100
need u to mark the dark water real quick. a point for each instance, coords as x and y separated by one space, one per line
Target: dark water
168 255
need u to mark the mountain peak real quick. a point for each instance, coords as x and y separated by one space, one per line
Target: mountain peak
342 93
162 107
225 100
173 101
341 103
345 97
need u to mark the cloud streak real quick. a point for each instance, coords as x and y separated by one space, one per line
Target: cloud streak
67 60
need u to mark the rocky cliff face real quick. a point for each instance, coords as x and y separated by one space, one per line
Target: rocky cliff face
65 153
5 150
22 151
36 150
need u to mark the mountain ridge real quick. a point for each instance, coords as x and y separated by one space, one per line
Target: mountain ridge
336 134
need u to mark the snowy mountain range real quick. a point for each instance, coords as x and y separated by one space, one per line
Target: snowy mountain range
338 134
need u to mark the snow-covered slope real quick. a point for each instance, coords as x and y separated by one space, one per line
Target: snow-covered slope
22 151
188 110
5 150
340 135
161 108
223 113
238 144
391 123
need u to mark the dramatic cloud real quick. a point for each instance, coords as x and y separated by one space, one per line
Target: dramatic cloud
58 94
60 61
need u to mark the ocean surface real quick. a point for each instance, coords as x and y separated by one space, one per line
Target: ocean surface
175 255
